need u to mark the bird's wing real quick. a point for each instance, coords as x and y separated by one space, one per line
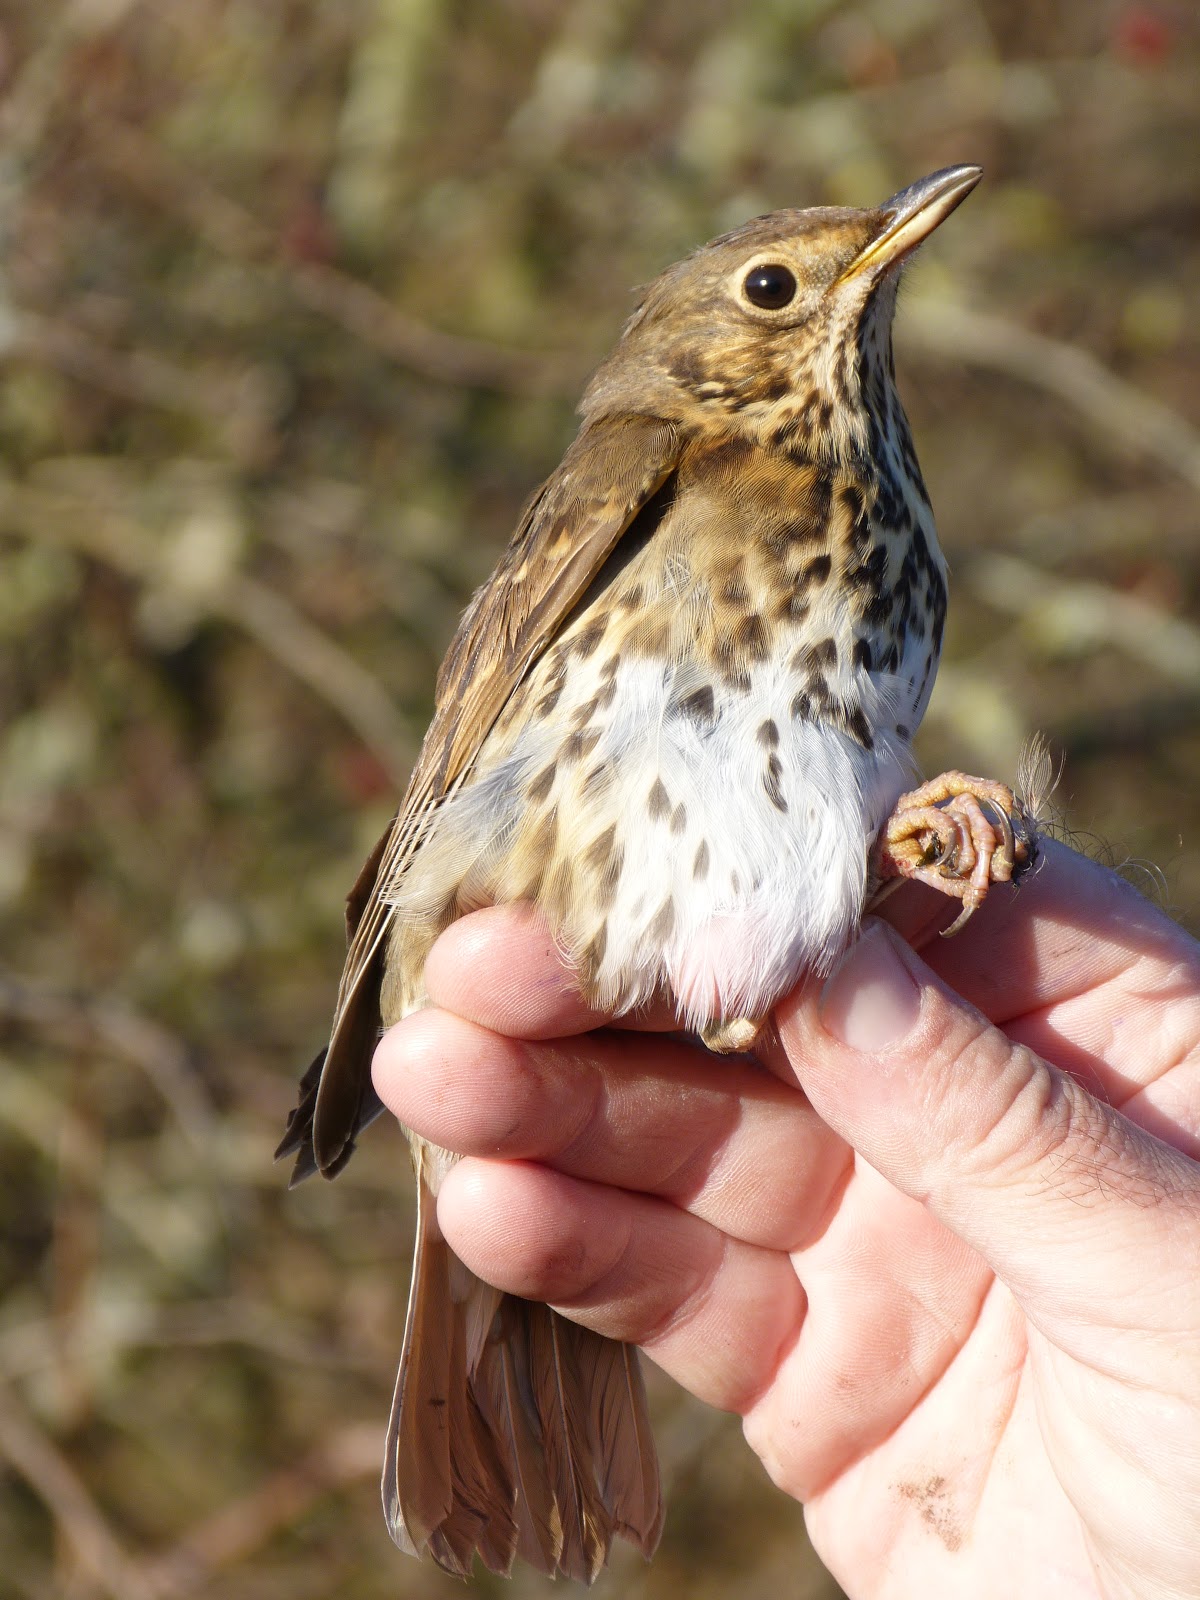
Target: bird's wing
567 531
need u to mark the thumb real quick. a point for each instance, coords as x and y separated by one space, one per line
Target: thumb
1076 1209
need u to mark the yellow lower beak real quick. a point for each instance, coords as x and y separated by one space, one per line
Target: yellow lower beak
912 215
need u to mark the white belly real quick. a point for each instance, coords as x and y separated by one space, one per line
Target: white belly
744 858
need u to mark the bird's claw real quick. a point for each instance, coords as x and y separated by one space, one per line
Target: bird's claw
941 834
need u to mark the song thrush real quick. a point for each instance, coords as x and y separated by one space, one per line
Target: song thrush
678 717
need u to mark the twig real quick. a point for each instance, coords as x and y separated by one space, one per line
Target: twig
136 375
355 306
115 1328
314 658
1130 420
87 1021
267 617
46 1470
1079 611
245 1524
29 103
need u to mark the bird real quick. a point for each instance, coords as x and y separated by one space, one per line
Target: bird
678 718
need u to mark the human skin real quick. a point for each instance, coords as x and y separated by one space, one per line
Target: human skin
943 1257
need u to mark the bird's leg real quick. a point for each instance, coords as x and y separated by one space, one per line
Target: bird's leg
940 834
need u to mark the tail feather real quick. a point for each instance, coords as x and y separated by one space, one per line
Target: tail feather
628 1461
502 1382
513 1431
560 1397
415 1503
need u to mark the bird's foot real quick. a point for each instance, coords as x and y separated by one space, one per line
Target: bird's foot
960 835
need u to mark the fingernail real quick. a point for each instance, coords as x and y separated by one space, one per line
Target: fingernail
869 1000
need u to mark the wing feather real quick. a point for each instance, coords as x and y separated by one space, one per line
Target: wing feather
567 531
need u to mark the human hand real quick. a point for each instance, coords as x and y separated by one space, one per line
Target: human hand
953 1291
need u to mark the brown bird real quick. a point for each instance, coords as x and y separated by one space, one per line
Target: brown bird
678 717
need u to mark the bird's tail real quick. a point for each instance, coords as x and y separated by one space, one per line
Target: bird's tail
513 1431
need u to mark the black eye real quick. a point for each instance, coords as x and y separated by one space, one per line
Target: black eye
770 286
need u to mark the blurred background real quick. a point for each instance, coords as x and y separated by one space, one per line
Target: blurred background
295 302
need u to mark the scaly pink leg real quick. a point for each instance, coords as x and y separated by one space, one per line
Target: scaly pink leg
940 835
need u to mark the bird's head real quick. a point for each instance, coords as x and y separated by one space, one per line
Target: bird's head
782 328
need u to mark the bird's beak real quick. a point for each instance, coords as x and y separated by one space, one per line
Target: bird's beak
912 215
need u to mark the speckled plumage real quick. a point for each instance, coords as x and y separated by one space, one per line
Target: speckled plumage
678 717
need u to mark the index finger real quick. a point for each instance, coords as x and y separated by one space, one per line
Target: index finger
502 967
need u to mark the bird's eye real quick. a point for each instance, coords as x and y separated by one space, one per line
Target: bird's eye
770 287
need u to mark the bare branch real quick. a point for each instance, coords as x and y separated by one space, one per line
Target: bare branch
137 375
247 1523
266 616
83 1021
1077 613
355 306
48 1473
1128 419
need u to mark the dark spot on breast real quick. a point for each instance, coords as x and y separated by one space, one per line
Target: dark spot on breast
609 880
786 436
727 455
820 491
815 572
750 637
591 959
542 784
599 852
663 925
605 857
772 783
653 636
858 728
548 701
679 818
814 660
700 864
658 801
544 837
792 607
632 598
863 656
735 591
824 704
802 707
580 744
878 610
583 714
768 735
587 641
699 705
559 884
903 730
801 531
610 668
870 572
595 778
